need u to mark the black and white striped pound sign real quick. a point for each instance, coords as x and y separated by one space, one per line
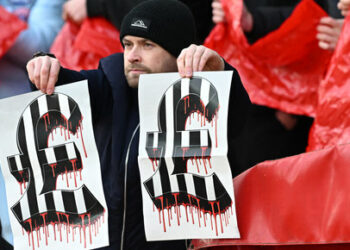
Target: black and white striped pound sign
38 166
172 184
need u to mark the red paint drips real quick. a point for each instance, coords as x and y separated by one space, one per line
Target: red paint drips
194 208
63 223
186 103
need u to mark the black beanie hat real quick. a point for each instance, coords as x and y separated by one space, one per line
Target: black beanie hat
168 23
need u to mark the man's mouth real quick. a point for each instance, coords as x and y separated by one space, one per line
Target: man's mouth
137 71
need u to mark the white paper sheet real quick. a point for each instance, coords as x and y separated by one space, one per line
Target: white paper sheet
186 179
51 168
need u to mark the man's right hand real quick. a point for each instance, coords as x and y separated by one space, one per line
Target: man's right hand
43 72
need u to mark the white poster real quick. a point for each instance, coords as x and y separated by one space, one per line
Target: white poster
51 168
186 179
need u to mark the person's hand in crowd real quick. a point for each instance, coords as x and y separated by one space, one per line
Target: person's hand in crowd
218 12
43 73
247 20
219 16
75 10
198 58
328 32
288 121
344 6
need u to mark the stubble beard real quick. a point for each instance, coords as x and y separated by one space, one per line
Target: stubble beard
133 79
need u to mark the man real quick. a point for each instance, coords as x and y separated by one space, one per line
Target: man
154 34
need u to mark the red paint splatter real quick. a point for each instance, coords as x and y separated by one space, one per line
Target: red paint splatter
184 150
194 208
82 138
195 159
47 120
74 164
63 223
186 103
53 166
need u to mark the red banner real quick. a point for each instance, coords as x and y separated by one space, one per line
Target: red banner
82 47
297 202
11 27
332 123
277 70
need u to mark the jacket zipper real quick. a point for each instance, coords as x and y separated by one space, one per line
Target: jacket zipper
125 184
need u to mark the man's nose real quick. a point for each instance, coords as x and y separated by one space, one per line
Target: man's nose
134 55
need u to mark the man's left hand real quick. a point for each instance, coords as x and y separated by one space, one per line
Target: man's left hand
198 58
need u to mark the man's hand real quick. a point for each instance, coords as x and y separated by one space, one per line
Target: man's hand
344 6
43 72
328 32
198 58
75 10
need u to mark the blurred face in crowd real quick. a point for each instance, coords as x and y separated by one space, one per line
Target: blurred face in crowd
142 56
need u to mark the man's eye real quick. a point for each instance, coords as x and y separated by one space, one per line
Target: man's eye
148 45
127 45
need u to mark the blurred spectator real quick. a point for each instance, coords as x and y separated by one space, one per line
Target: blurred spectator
44 21
260 18
271 134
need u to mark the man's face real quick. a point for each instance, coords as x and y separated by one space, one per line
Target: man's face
142 56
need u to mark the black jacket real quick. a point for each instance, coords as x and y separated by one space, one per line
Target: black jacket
115 118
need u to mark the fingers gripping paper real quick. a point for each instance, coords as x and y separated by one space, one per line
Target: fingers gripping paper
49 161
185 175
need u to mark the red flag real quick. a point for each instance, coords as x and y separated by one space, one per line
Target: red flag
278 70
299 202
81 47
332 123
11 27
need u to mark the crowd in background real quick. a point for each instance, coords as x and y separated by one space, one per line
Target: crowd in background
269 133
